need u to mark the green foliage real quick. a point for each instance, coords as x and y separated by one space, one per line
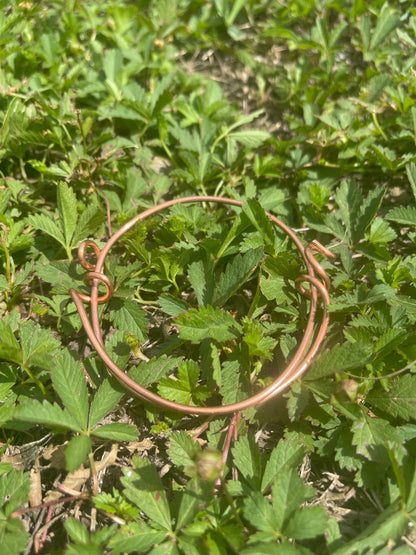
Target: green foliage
303 109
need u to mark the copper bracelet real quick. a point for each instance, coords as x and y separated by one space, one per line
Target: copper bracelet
314 334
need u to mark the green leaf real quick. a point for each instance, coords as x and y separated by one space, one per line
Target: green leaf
116 503
399 400
339 358
37 344
390 525
368 211
232 382
255 213
389 341
184 389
60 274
286 454
405 215
44 413
190 505
89 221
288 493
48 226
136 537
260 513
144 488
376 86
369 436
380 232
112 65
67 208
9 346
236 274
201 277
183 449
76 530
247 459
252 138
387 22
14 488
70 383
150 372
207 323
128 316
77 451
258 345
117 431
307 523
411 175
108 395
172 306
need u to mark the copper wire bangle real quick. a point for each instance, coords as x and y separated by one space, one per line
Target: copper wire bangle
316 277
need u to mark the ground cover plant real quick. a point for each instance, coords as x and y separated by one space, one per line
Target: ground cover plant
302 108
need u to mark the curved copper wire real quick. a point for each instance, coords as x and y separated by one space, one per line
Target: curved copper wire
314 334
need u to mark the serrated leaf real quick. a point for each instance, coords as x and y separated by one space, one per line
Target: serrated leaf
37 344
247 459
14 488
76 530
207 323
389 341
257 216
405 215
172 306
48 226
252 138
128 316
88 223
136 537
144 488
183 449
387 22
388 526
260 513
9 346
288 493
368 210
60 274
411 175
201 277
150 372
369 436
232 382
380 232
112 64
45 413
307 523
69 381
184 389
399 400
190 506
236 274
340 357
108 395
286 454
67 208
240 224
116 431
116 504
76 452
376 86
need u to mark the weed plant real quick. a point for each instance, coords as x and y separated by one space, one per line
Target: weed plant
304 108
